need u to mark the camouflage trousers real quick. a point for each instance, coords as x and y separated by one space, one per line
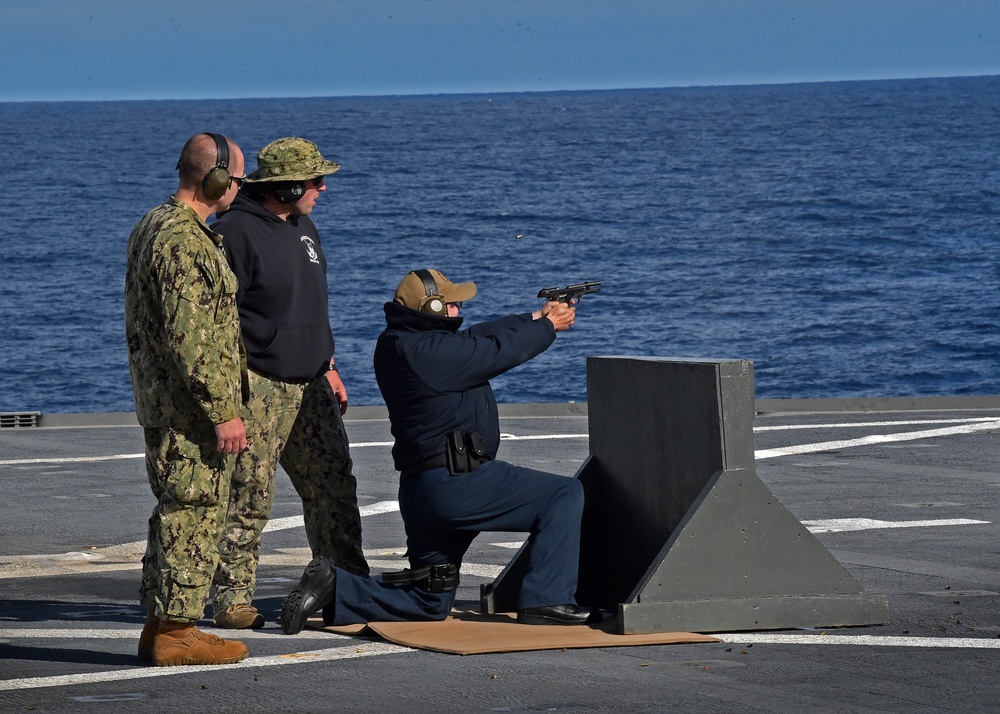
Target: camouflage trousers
190 479
300 426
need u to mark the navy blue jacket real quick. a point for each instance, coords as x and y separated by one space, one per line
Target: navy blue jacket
435 378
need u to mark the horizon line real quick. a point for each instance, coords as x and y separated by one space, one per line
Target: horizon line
499 92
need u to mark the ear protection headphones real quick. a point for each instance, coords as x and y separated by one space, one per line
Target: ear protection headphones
290 192
433 301
217 180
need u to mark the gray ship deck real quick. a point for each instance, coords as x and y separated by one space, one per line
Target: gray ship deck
905 493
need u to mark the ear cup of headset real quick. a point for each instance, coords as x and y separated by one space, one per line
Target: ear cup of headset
216 183
290 193
217 180
433 301
434 305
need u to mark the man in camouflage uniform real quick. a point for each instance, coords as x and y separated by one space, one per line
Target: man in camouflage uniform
297 398
189 380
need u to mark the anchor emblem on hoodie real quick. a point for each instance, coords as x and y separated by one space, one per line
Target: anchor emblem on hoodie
310 250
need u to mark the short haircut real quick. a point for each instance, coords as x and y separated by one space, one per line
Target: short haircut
198 157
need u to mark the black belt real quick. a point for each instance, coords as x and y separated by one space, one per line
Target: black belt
441 578
434 462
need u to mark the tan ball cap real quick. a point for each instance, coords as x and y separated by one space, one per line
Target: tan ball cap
413 293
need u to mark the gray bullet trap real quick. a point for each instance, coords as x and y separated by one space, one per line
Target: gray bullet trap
679 533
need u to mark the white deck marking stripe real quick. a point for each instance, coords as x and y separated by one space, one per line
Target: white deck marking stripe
858 424
373 649
272 633
876 439
511 544
70 459
842 525
970 425
763 638
737 637
31 566
350 651
372 509
357 445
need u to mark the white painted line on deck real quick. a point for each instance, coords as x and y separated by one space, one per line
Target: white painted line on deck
372 509
866 424
374 649
357 445
876 439
511 544
481 570
351 651
763 638
272 633
843 525
126 556
70 459
968 426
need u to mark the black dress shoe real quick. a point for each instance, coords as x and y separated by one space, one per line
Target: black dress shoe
554 615
315 589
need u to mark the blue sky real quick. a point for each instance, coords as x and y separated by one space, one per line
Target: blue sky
138 49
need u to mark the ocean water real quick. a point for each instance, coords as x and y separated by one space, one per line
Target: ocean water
842 236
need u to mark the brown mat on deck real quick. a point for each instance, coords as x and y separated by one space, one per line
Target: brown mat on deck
472 633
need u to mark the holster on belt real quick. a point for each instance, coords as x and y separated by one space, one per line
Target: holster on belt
464 451
432 578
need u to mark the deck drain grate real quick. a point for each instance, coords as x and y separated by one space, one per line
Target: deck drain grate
14 420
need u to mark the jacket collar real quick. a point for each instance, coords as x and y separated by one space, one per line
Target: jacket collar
398 317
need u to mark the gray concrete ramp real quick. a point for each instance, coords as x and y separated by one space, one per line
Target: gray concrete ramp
679 533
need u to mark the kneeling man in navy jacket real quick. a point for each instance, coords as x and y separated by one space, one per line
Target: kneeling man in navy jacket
434 379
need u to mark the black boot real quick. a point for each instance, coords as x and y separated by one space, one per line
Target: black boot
554 615
315 589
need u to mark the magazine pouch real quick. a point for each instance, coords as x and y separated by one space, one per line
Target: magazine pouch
464 452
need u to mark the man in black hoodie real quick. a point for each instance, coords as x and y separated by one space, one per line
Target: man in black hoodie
296 395
435 382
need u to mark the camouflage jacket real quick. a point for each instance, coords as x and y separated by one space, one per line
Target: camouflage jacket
181 323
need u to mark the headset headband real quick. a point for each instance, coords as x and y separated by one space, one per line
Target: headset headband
222 151
430 285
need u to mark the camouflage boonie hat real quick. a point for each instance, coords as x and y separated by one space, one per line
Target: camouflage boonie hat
291 159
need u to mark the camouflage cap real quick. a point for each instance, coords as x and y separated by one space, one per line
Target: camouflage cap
291 159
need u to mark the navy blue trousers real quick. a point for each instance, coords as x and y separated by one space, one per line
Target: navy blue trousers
442 514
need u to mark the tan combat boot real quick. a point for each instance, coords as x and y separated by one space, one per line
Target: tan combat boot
147 636
183 643
239 617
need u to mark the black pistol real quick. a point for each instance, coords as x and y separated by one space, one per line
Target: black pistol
570 294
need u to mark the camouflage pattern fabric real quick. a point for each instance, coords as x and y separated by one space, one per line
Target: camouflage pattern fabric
181 323
291 159
188 373
268 418
299 426
319 464
190 479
